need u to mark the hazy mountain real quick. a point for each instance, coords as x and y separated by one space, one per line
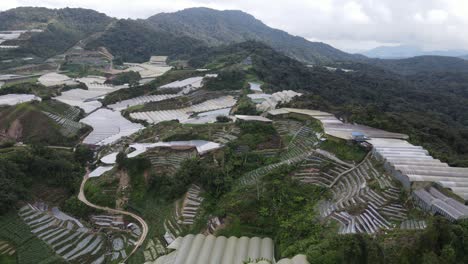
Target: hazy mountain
215 27
465 57
423 64
403 51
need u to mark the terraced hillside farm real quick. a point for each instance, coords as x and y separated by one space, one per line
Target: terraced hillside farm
72 241
32 122
169 161
19 245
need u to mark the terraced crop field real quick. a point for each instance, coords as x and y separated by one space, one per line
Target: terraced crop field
28 248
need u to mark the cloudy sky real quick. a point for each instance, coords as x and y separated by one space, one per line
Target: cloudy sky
351 25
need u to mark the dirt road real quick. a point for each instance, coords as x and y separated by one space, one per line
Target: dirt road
144 226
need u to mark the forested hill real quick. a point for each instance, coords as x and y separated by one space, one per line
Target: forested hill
62 28
419 105
215 27
135 41
423 64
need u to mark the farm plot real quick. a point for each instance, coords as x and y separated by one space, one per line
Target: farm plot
14 99
71 240
27 248
141 100
183 214
319 170
184 114
365 200
300 148
108 127
68 127
169 161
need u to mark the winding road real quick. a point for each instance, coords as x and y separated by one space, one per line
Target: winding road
144 226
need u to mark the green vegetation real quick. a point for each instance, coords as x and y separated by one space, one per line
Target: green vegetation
227 80
78 71
245 106
30 88
101 190
130 78
345 151
24 167
214 28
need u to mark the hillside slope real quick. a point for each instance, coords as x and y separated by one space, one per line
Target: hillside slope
215 27
29 124
431 114
62 28
423 64
135 41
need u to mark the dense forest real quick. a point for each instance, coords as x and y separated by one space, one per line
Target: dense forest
135 41
23 169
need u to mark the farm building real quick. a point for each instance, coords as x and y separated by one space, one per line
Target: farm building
359 136
158 60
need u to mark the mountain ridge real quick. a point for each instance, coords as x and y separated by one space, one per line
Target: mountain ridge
216 27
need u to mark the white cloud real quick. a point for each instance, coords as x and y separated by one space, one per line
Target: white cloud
350 23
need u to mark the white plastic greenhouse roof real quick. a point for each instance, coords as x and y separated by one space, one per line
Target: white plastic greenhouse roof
201 249
253 118
416 164
195 82
183 114
202 147
100 171
336 128
442 204
14 99
108 127
255 87
141 100
276 98
54 79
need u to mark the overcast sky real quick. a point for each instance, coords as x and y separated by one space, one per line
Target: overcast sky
350 25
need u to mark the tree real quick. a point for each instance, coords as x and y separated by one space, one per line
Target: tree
83 154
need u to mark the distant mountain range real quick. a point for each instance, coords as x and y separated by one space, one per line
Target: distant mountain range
184 34
404 51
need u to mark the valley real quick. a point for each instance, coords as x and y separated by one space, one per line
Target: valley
161 141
